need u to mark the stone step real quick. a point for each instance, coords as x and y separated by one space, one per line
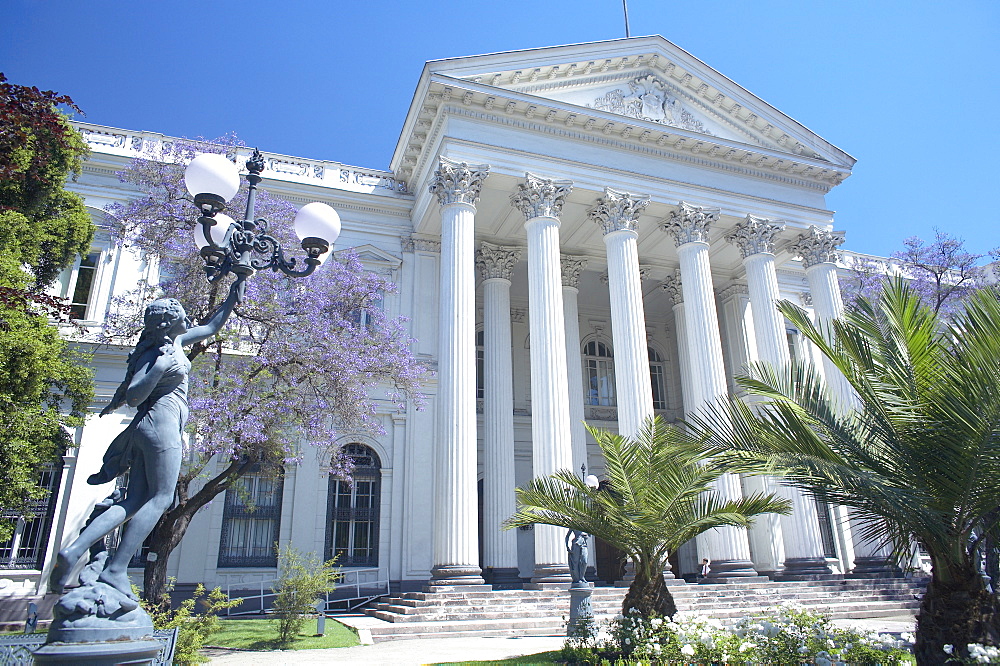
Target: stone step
513 602
555 626
483 612
847 607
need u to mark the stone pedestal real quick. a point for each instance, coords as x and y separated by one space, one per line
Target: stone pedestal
580 609
133 653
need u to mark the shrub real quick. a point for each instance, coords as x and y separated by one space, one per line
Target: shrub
791 636
302 579
193 628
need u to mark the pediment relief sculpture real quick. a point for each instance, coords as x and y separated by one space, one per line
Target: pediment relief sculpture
648 98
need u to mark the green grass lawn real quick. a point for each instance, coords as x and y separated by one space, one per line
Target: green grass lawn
540 658
263 635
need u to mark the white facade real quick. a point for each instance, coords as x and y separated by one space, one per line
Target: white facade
616 219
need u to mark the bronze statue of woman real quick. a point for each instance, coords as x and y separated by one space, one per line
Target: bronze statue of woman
156 383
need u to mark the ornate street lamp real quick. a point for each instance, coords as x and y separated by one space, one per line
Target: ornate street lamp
243 247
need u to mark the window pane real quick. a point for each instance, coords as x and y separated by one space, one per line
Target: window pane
84 285
251 521
353 512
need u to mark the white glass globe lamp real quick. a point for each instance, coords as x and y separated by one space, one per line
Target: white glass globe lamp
212 180
318 226
218 231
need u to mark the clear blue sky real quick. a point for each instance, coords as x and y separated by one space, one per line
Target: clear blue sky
909 88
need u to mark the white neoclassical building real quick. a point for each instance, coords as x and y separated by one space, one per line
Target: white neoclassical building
587 233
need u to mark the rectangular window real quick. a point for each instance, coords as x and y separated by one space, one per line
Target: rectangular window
656 379
826 529
80 289
26 547
251 519
601 382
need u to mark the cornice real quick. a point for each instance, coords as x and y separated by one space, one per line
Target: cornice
801 219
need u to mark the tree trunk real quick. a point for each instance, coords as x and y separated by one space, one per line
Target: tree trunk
166 536
648 593
956 610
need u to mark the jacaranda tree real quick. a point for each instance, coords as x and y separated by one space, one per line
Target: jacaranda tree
657 497
299 361
915 456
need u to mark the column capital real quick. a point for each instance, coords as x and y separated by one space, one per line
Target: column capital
617 210
690 223
458 182
571 269
540 197
497 261
672 285
818 246
755 235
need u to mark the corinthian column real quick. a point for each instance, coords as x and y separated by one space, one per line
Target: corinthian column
541 200
618 214
496 264
571 269
799 532
673 285
727 547
818 250
456 551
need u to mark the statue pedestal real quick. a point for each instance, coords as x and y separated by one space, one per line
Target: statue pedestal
133 653
580 609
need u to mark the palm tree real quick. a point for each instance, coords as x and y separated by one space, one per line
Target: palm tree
914 456
659 497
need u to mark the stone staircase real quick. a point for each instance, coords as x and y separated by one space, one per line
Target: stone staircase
484 612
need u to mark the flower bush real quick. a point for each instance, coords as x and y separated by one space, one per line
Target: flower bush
978 654
790 636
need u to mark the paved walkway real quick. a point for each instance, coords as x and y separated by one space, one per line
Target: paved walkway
445 650
398 653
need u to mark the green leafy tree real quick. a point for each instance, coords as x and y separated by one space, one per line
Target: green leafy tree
659 496
917 455
42 228
302 579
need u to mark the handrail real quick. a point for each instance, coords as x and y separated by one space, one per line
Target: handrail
365 584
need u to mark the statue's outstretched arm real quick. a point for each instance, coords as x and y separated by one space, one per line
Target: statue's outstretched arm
219 317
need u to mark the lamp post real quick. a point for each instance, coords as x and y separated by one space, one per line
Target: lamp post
241 248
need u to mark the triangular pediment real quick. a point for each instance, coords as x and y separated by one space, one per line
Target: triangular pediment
372 257
646 80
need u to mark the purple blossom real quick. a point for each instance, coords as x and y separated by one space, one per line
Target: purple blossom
294 365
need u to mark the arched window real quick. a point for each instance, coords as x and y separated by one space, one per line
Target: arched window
480 365
657 379
352 511
598 374
251 520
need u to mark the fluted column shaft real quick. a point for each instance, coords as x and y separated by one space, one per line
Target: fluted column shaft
541 201
456 539
571 268
672 285
499 545
818 250
800 530
727 547
617 213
